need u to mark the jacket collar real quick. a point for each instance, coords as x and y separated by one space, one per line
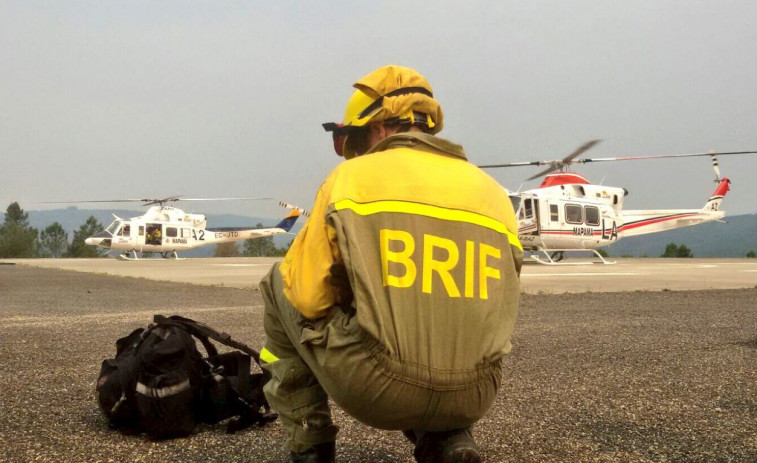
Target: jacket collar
422 142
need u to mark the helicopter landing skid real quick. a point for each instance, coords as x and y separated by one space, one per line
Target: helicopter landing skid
555 256
133 256
166 255
126 256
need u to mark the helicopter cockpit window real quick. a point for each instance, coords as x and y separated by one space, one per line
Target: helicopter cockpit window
112 227
171 232
125 230
573 213
592 215
515 199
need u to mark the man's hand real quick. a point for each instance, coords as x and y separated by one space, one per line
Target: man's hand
341 282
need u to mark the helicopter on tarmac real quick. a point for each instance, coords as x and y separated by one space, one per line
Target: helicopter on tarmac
567 213
168 230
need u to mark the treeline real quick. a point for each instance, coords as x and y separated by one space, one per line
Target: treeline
19 239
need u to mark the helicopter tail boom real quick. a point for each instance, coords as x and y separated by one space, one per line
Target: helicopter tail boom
724 186
643 222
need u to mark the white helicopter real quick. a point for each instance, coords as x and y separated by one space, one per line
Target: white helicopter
567 213
168 230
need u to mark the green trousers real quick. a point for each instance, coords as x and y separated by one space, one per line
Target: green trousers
312 360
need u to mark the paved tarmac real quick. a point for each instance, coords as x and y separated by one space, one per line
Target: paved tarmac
636 376
628 274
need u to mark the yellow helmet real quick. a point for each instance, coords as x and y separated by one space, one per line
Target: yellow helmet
393 94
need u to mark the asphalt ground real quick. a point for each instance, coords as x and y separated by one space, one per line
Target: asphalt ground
578 276
609 377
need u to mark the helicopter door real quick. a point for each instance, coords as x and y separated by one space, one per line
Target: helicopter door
528 216
154 234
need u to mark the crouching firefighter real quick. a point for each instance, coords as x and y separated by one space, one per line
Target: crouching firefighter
398 297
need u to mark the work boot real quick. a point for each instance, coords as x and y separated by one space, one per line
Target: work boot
456 446
320 453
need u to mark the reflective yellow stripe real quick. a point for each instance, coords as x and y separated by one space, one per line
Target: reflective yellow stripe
267 356
427 210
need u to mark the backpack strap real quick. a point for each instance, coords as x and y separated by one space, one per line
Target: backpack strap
179 322
208 332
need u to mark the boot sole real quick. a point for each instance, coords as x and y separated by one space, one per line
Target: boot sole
463 456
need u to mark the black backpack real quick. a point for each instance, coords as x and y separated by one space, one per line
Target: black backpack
159 382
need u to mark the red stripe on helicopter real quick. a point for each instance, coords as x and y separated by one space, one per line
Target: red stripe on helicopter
643 223
567 232
624 227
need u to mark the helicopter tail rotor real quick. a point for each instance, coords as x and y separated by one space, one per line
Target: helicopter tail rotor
292 206
716 167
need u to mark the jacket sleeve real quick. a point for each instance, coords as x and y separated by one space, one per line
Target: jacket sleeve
305 270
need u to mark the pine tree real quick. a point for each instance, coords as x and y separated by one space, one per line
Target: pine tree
78 248
230 249
259 247
673 250
53 240
17 237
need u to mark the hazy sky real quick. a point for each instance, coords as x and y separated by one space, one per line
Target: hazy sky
120 99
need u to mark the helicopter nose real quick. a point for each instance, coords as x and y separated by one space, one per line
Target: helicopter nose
102 239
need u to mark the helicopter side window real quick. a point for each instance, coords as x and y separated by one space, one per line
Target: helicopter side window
186 233
573 213
125 230
171 232
141 230
592 215
553 213
528 208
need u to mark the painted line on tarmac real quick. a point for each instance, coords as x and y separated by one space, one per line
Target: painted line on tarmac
598 274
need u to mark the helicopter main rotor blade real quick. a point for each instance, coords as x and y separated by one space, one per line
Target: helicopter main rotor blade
554 164
151 201
567 160
135 200
222 199
581 149
552 168
516 164
660 156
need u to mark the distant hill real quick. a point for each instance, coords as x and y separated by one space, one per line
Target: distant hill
735 238
71 218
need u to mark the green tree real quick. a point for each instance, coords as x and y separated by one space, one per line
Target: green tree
17 237
283 250
673 250
230 249
53 240
259 247
78 248
751 254
670 250
684 251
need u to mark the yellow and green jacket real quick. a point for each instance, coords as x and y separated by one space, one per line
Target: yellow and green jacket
430 245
